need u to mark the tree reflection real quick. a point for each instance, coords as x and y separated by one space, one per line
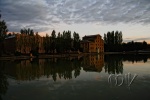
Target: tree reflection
136 57
67 68
3 83
34 69
113 64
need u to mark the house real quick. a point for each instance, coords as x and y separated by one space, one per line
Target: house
23 43
92 44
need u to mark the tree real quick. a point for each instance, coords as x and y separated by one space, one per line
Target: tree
3 29
53 35
31 33
59 35
46 43
113 41
76 41
3 34
53 42
144 45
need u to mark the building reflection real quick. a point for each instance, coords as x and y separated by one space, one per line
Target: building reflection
66 68
93 63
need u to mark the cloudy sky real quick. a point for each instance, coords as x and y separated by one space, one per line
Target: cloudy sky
86 17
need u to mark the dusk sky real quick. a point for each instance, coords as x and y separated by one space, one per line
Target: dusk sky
86 17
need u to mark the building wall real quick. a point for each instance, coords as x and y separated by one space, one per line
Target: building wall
93 46
85 46
24 44
10 45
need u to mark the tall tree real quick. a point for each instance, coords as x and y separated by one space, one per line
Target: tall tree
59 35
76 41
3 29
53 42
3 34
113 41
53 35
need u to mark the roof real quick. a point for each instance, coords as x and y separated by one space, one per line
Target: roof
84 41
9 37
90 38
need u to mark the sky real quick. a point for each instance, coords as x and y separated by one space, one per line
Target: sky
86 17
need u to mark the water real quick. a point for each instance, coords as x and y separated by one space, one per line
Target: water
81 78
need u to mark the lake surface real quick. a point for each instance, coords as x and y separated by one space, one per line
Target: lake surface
93 77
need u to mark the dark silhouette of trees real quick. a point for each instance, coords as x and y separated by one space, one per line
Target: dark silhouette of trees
134 46
76 41
113 64
27 31
113 41
62 43
3 34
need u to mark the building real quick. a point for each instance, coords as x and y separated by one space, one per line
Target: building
93 63
92 44
23 43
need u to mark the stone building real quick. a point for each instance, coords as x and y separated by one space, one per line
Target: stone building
92 44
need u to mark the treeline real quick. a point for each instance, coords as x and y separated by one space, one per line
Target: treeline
134 46
62 43
51 44
113 42
3 31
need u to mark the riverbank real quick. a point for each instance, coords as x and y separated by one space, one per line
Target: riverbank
41 56
76 55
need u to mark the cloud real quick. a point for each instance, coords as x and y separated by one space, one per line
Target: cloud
137 39
40 14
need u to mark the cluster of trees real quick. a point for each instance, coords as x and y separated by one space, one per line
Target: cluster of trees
27 31
3 31
134 46
65 42
113 43
29 43
61 43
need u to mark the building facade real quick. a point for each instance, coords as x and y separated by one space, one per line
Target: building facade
92 44
23 43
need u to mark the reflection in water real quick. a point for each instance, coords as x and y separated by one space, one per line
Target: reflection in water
31 70
3 84
136 58
66 68
113 64
93 63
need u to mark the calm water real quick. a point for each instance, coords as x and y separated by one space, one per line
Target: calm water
92 77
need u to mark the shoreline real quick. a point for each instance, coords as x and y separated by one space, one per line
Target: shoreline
46 56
